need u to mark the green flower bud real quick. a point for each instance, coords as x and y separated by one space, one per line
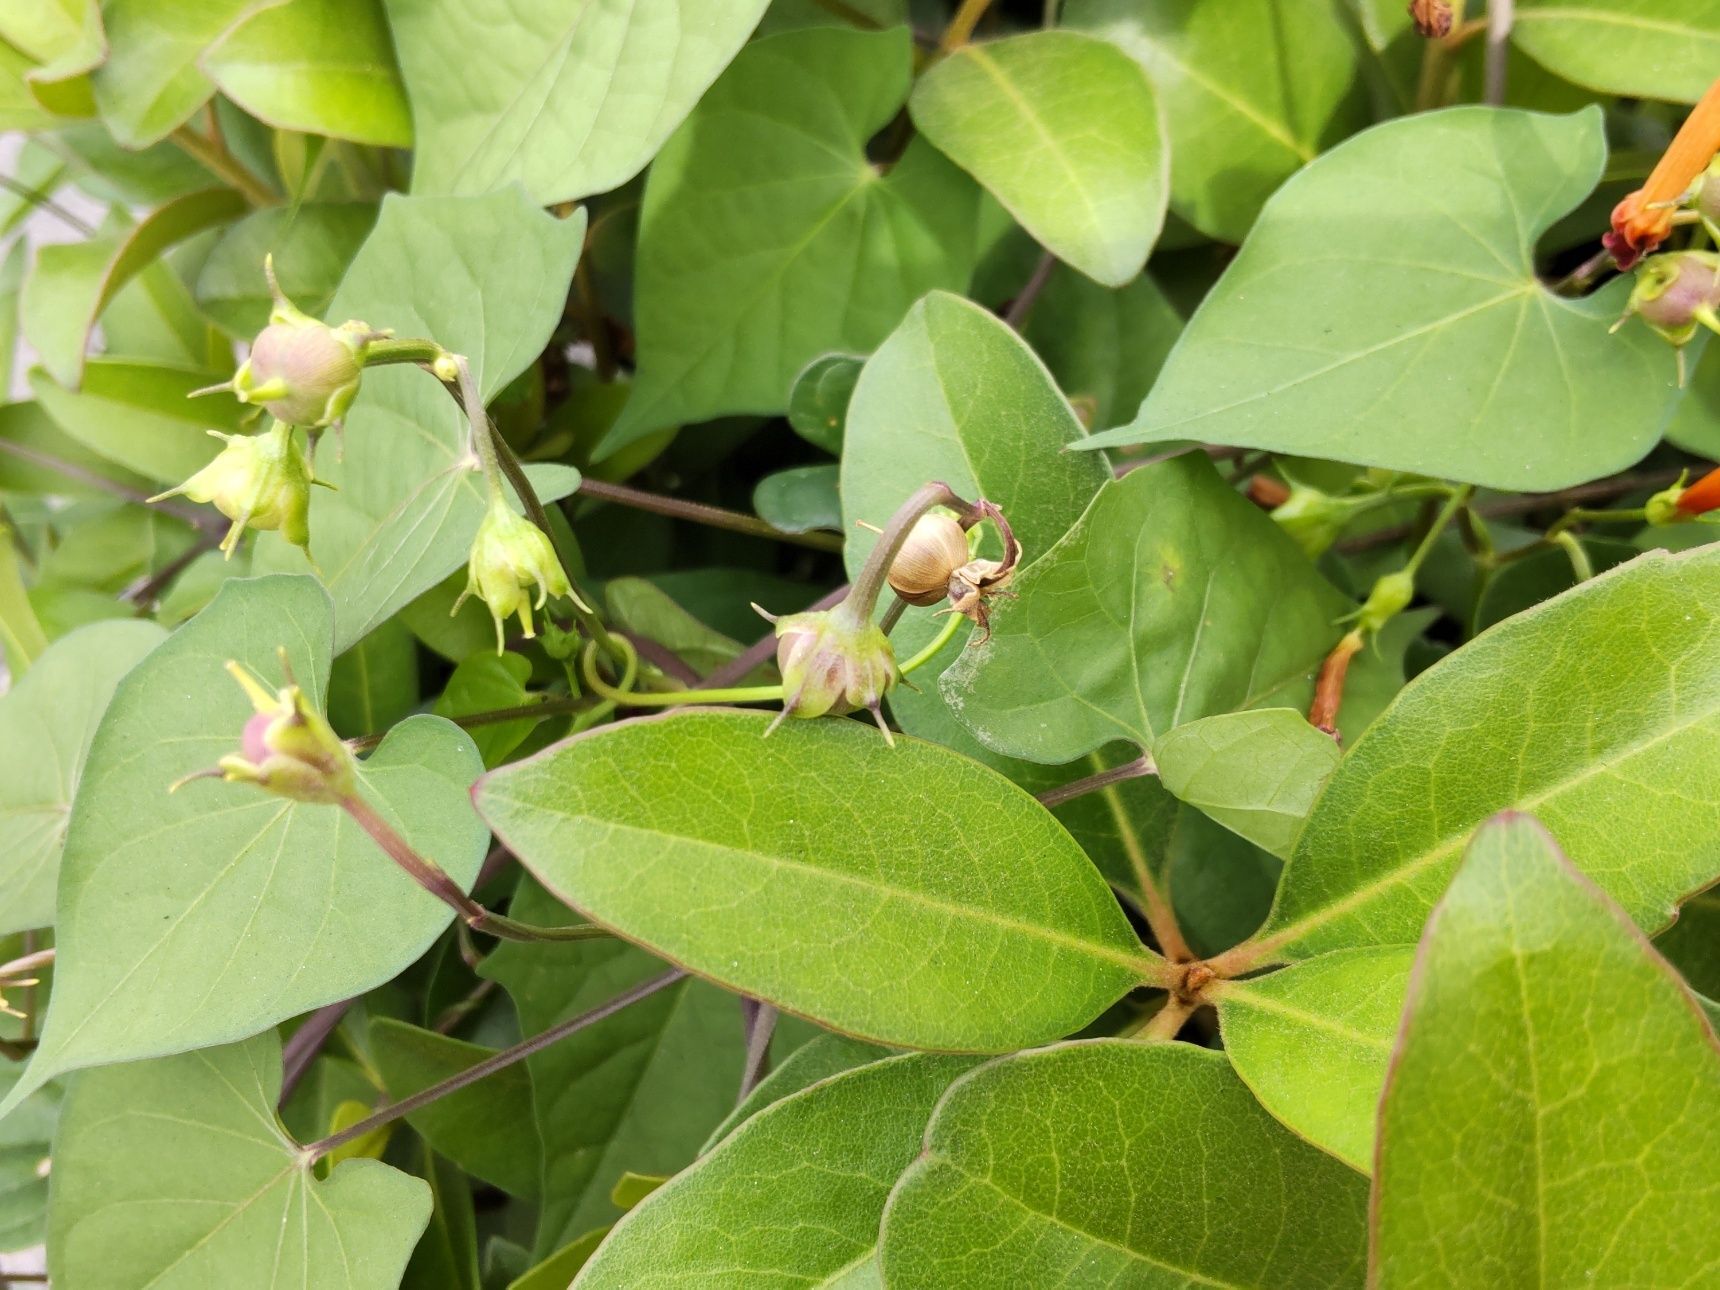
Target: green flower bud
258 481
302 371
833 664
1390 596
509 555
1676 292
1314 518
288 748
1705 196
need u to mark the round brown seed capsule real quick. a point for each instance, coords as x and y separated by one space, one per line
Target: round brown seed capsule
936 547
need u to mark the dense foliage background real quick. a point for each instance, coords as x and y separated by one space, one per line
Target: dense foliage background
1290 871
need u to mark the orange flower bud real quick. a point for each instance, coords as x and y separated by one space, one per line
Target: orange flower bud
1643 219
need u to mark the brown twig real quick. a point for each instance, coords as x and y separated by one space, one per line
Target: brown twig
1141 766
700 513
1022 306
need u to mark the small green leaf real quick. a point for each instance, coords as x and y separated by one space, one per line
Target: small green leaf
487 1128
971 921
573 98
1063 129
239 1207
1172 598
255 908
1591 710
1256 773
765 207
485 277
72 283
150 82
487 682
818 403
800 499
137 415
638 1091
47 720
1652 49
1251 89
745 1216
1386 312
319 66
1313 1042
312 246
1067 1166
1552 1116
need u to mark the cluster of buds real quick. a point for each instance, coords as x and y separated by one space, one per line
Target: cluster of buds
511 555
260 481
1674 294
936 563
288 748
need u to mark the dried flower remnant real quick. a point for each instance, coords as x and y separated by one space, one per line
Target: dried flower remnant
1432 18
1644 219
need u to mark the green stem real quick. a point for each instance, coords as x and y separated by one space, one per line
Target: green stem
1456 501
961 26
223 165
409 349
652 699
1581 565
937 643
489 1066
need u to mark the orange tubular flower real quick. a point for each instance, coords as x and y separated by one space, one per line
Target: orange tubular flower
1643 219
1702 496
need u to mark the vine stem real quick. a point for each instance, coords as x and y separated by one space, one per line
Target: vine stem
27 963
435 880
1167 1021
196 516
39 199
961 26
306 1042
1141 766
715 517
215 158
489 1066
1500 16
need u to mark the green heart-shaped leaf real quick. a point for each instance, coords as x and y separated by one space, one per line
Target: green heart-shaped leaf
1652 49
1385 311
197 917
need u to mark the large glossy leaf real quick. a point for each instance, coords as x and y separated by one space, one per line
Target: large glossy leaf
1313 1042
972 921
239 1207
1386 312
768 239
573 99
1063 129
320 66
1172 598
409 498
1653 49
1553 1111
1250 88
1256 773
1592 710
748 1214
137 415
71 283
639 1091
150 82
488 1128
47 720
1073 1165
199 917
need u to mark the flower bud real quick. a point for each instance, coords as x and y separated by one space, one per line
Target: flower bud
1432 18
288 748
1675 292
1678 504
300 370
935 548
509 555
1315 518
833 664
258 481
1390 596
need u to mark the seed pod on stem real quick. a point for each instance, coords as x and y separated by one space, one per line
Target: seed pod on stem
260 481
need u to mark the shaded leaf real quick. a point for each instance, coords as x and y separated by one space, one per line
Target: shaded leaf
1256 773
1604 695
575 98
25 1143
375 683
1063 129
137 415
47 720
1072 1165
1386 312
818 1059
767 238
1655 49
745 1215
486 682
818 402
199 917
1104 347
1172 598
833 904
1548 1049
238 1187
312 246
800 499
